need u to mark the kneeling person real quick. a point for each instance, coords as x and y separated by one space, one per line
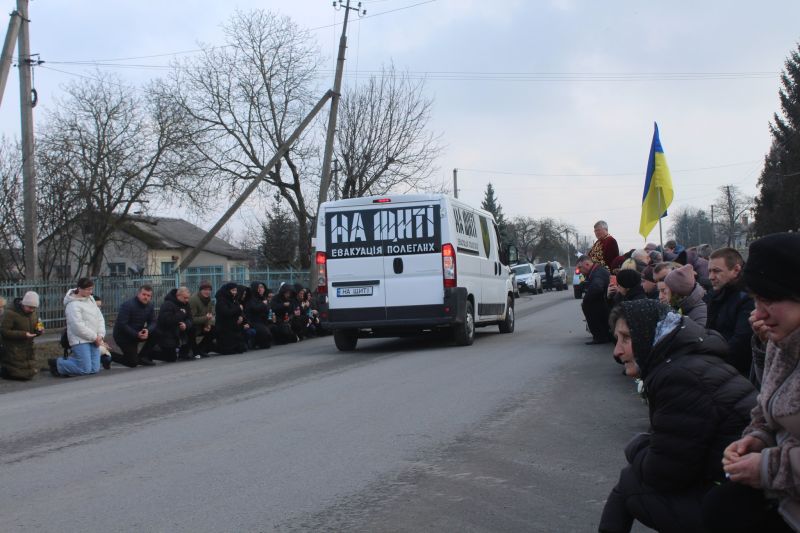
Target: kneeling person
173 323
698 405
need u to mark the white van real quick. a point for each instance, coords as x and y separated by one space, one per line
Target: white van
401 264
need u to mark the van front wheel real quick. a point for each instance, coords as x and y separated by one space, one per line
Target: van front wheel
464 333
507 325
345 339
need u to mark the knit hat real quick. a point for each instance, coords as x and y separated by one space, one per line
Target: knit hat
616 263
681 281
650 246
772 266
205 284
628 278
31 299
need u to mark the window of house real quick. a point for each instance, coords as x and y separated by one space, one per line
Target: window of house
167 267
116 269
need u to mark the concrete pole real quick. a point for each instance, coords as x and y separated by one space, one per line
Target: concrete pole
8 50
325 183
30 240
254 184
455 183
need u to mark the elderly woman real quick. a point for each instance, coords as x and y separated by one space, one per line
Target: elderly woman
680 290
764 465
698 405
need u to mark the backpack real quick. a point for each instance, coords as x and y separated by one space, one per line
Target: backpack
65 343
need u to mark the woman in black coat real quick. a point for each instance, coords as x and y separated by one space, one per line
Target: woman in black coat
283 306
256 312
698 405
230 320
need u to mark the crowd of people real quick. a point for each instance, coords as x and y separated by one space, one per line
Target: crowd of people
186 327
713 342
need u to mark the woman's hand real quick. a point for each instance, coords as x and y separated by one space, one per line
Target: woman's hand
759 328
746 470
739 448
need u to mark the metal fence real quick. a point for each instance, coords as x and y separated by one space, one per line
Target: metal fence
116 289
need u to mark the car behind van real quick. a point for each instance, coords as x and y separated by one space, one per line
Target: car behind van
403 264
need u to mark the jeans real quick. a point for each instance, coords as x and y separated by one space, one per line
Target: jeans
85 359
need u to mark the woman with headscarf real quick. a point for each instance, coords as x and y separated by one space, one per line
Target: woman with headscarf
230 320
283 306
256 311
764 465
698 405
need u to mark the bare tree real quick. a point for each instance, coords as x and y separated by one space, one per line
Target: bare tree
544 238
11 228
103 150
732 205
382 137
243 100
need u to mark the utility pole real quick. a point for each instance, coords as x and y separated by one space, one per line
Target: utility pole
325 183
455 183
28 169
8 50
335 179
712 226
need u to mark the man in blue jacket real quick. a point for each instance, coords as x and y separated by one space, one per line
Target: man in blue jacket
135 323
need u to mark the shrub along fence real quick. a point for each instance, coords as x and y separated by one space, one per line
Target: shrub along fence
116 289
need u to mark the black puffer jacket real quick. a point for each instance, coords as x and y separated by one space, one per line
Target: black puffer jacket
256 311
728 313
228 311
132 317
698 405
171 313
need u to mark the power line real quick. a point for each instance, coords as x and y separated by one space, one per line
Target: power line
597 175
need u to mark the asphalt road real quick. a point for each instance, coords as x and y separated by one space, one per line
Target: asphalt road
519 432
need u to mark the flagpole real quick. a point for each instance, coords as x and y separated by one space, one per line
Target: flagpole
660 214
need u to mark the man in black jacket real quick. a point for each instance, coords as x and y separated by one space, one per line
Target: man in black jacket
594 305
729 307
134 325
698 405
173 324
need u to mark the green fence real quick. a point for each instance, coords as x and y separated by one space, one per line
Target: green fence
116 289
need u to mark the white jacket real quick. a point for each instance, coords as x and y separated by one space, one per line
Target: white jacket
84 319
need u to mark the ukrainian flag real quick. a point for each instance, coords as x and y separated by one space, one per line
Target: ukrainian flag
658 191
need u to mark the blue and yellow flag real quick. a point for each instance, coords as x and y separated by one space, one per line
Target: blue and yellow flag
658 191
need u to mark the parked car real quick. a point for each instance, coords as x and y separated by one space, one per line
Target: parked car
527 278
577 283
559 276
514 284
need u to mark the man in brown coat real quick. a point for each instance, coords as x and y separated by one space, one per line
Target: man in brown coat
19 327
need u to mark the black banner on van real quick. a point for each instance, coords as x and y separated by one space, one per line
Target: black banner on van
380 232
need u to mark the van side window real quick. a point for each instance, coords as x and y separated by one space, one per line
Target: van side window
487 244
502 251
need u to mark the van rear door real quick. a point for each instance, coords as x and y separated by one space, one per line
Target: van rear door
356 290
412 239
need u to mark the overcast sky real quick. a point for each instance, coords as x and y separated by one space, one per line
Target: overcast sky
567 137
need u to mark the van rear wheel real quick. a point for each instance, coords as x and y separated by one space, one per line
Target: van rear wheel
507 325
464 333
345 339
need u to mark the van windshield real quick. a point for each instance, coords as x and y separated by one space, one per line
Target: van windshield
521 269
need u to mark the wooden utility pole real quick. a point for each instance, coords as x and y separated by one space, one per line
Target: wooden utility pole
455 183
325 182
28 169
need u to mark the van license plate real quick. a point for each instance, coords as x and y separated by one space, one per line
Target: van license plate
353 291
